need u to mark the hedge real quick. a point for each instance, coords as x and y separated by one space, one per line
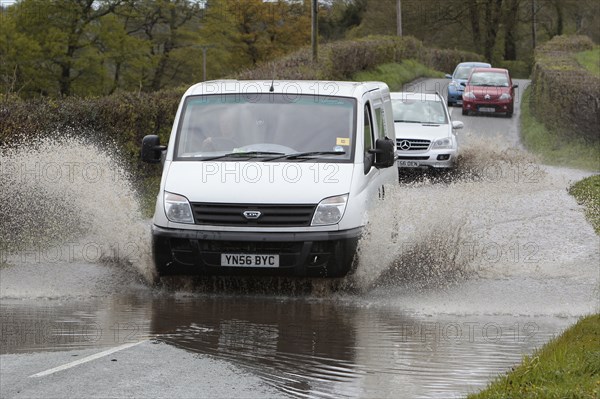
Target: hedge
124 118
340 60
565 96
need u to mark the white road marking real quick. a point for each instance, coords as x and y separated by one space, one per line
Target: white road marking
86 359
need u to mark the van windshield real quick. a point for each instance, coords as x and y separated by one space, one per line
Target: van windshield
266 126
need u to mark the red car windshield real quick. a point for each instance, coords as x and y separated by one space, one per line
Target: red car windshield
494 79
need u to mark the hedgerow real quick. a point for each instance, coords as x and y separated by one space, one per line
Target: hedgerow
122 119
565 96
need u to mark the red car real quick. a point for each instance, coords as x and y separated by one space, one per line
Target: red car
490 91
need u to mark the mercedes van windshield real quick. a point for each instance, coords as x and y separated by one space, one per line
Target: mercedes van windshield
266 126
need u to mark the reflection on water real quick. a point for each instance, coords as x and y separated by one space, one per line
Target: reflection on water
304 347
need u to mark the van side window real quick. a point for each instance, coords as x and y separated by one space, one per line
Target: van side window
368 138
368 131
381 126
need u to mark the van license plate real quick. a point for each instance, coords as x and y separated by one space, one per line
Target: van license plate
249 260
486 109
408 164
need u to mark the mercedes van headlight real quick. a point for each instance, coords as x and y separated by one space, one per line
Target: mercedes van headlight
446 142
330 210
178 208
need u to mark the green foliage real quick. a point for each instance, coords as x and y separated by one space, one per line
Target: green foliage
517 69
566 367
500 30
341 60
587 193
119 120
565 95
397 75
590 60
95 47
553 148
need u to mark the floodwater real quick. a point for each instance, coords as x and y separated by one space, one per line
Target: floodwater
457 280
304 347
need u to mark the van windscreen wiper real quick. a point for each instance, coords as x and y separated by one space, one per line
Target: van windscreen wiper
248 154
310 154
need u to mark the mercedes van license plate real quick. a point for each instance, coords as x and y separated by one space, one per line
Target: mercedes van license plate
249 260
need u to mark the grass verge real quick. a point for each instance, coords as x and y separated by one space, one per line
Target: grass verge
566 367
552 148
587 193
397 75
590 60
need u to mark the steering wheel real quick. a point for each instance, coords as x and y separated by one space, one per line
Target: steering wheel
268 147
218 144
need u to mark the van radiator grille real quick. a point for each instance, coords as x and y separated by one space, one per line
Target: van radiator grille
270 215
413 144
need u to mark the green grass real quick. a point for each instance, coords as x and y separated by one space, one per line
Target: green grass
397 75
587 193
590 60
566 367
552 148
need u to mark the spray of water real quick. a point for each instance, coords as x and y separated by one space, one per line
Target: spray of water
69 200
499 215
486 218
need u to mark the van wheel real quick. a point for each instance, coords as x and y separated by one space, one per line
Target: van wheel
465 112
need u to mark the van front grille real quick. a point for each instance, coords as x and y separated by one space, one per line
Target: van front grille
270 215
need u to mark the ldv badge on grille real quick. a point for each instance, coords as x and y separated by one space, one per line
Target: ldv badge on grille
251 214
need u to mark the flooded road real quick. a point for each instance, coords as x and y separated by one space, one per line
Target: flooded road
301 347
469 274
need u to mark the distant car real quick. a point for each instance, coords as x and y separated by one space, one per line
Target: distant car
461 75
425 135
489 90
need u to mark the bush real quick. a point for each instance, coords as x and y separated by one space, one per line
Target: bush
122 119
565 95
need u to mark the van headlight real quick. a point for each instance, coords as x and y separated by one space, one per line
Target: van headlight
469 95
330 210
504 97
444 143
177 208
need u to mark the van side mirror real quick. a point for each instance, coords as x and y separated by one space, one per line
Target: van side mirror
515 86
151 149
463 83
385 153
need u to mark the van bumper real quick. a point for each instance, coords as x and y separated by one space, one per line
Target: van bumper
302 254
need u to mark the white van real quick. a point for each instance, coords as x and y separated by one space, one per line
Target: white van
271 177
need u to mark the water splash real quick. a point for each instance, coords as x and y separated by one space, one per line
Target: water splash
499 215
70 200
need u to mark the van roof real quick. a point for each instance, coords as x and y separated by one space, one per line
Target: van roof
291 87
